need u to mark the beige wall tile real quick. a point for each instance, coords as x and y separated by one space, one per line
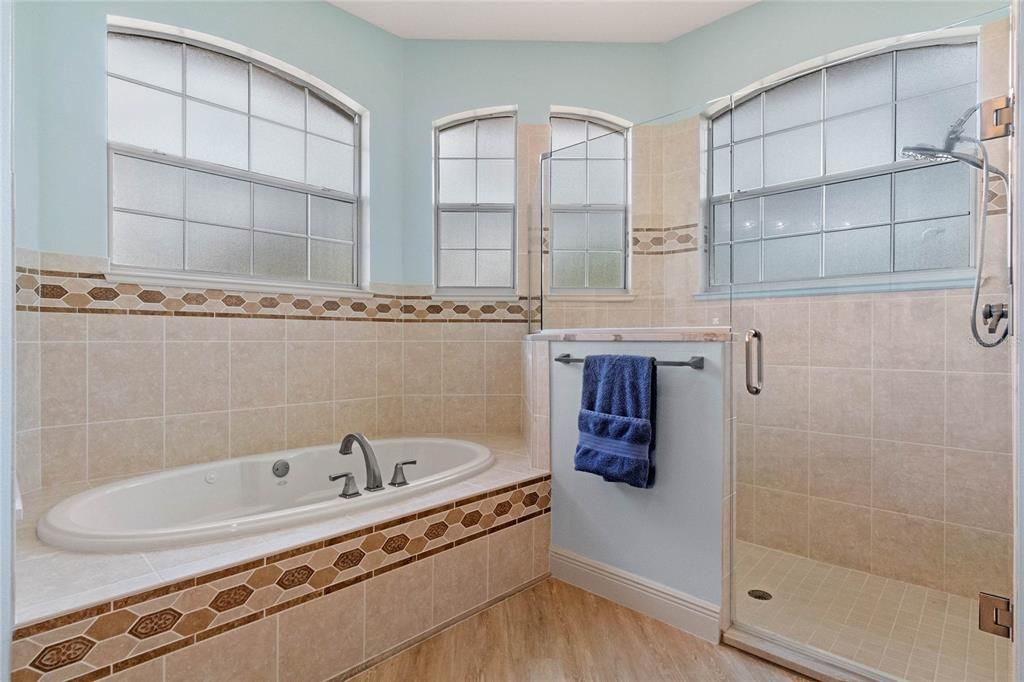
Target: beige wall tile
744 512
908 406
125 327
149 671
503 414
26 326
257 374
256 431
310 371
389 367
978 561
355 416
464 363
541 545
321 638
979 490
784 400
243 329
126 380
504 368
399 604
840 468
419 333
27 462
744 440
504 331
62 391
781 459
389 416
978 412
842 333
27 388
840 534
907 478
423 370
310 424
464 332
423 414
510 559
246 653
62 327
840 401
355 369
63 452
460 579
907 548
125 447
197 376
196 438
197 329
909 333
464 414
355 331
309 330
786 328
780 520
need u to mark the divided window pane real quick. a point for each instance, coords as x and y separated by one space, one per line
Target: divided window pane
830 142
250 121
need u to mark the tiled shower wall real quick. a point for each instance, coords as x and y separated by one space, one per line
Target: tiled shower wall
102 396
882 440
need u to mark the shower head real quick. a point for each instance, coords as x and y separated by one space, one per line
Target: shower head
927 152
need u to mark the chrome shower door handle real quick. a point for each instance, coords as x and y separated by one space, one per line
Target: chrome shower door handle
754 388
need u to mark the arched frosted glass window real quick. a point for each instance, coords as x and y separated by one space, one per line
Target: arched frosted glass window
807 179
589 235
474 200
223 166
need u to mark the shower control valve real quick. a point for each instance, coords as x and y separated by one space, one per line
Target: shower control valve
992 313
351 489
398 478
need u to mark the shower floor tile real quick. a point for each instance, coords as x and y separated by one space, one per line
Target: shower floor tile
906 631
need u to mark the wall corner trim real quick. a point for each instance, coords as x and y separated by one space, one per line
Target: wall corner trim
688 613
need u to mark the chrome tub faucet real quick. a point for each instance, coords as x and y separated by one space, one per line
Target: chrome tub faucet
373 480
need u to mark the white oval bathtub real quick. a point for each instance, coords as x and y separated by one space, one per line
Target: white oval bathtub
206 502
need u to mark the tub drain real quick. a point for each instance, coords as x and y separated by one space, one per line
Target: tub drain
760 595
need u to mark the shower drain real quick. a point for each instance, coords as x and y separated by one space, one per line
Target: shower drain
760 595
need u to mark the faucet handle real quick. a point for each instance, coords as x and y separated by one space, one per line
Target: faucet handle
398 478
350 489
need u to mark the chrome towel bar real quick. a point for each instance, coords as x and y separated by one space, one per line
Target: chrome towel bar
695 362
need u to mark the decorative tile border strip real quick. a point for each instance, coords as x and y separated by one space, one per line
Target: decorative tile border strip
100 640
77 292
652 241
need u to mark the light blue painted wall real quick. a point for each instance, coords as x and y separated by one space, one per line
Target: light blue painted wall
745 47
406 84
445 77
60 106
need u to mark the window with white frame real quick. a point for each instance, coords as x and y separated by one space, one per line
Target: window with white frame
222 166
808 181
589 235
474 200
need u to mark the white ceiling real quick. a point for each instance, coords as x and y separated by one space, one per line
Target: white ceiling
605 21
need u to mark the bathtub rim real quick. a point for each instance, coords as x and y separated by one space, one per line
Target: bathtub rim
70 536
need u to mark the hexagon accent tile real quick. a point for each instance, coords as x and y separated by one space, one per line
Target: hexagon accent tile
436 530
396 543
64 653
294 577
231 598
154 623
349 559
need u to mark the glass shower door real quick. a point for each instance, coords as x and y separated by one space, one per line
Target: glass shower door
853 207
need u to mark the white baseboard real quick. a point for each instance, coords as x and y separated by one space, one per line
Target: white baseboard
680 610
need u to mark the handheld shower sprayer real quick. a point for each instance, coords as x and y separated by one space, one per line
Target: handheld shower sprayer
925 152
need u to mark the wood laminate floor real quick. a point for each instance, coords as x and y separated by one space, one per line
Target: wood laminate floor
554 631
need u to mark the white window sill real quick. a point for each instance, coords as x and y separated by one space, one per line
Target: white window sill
191 280
474 294
624 297
956 279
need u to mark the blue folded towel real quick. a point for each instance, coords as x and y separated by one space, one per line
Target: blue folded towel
616 421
